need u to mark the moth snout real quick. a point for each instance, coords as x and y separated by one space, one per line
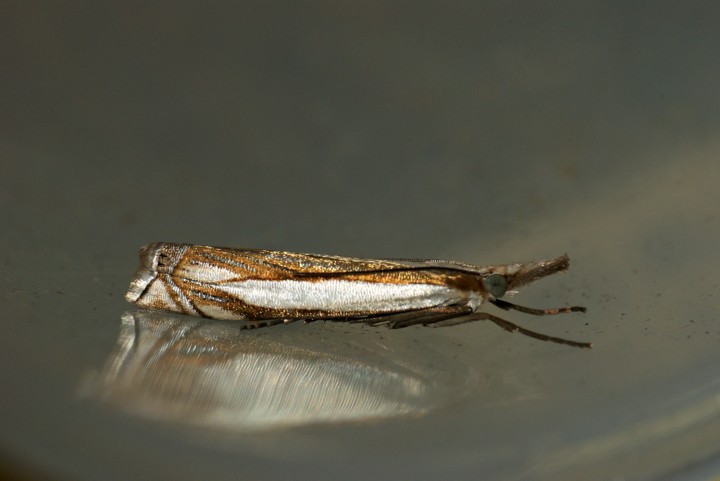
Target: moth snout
148 255
156 258
146 272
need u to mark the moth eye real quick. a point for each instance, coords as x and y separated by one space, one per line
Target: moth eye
495 284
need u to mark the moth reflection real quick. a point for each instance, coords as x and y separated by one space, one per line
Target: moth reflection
211 373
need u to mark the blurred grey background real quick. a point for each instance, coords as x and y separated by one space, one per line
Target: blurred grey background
487 132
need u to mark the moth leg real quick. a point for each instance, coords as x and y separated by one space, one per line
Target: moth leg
411 318
258 323
430 318
505 305
455 321
512 327
381 319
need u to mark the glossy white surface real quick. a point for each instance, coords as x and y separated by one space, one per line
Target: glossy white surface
342 295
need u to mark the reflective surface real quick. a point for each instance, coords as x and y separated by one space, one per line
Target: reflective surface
209 373
482 132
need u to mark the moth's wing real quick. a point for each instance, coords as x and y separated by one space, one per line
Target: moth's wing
267 264
217 265
238 264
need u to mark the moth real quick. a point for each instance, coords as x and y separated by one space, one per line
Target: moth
265 288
